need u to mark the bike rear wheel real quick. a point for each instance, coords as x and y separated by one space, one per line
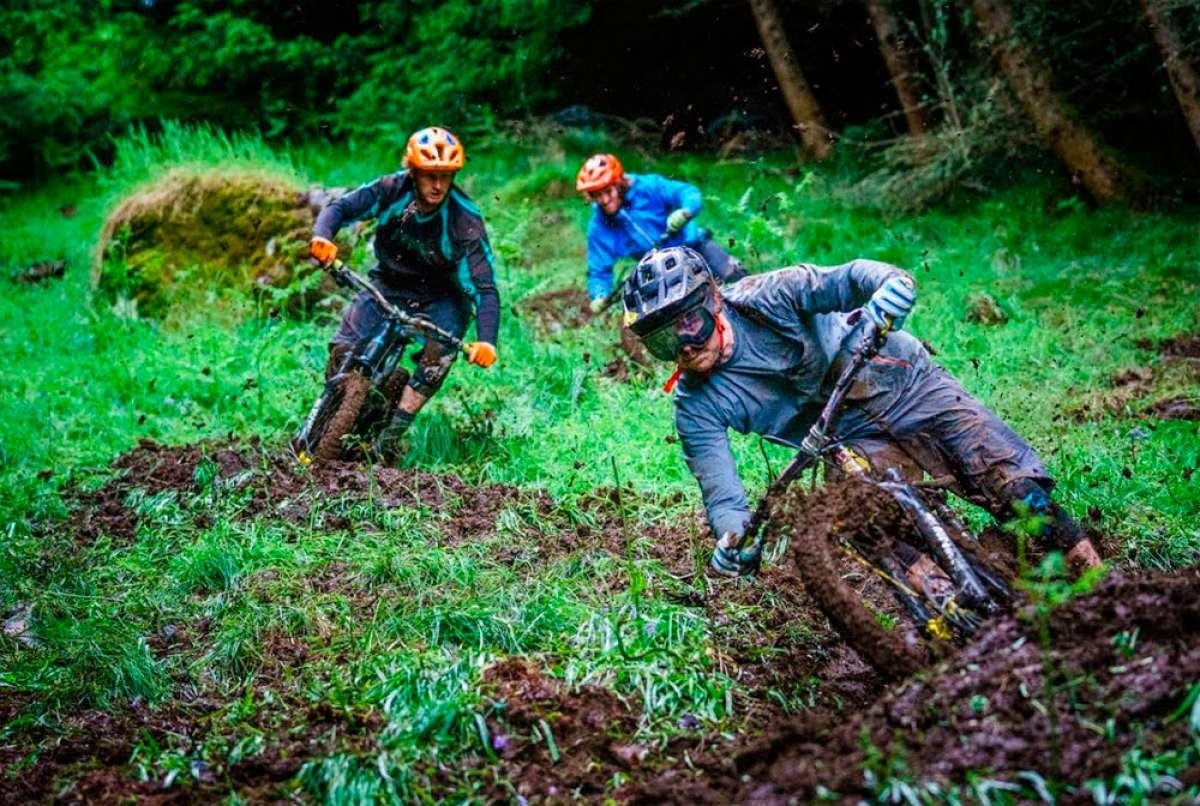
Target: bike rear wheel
334 416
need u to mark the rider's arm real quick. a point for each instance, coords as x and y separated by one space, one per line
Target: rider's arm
807 289
677 194
367 201
706 449
599 263
478 278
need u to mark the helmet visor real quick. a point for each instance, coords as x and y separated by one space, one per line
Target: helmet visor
693 328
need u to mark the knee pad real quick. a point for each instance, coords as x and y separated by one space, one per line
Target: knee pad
428 377
1028 492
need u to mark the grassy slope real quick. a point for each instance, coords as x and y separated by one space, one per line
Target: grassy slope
1082 288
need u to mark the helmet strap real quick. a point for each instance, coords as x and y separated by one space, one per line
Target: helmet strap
669 386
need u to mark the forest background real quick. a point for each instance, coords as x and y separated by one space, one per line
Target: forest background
76 74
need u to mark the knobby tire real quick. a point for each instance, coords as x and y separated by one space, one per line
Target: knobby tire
337 417
817 552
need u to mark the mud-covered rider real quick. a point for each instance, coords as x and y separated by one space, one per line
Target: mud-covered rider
434 259
761 356
630 212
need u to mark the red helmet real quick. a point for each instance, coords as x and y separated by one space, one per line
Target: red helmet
434 149
599 172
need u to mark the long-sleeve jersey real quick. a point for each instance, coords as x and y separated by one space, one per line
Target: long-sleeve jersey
442 254
790 338
642 218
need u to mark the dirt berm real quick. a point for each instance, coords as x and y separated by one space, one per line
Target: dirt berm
1113 670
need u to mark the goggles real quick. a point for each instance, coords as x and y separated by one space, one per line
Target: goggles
693 329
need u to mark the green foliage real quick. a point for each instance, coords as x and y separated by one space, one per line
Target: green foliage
78 72
412 618
455 64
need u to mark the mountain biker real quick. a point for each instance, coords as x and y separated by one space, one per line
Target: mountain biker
761 356
631 211
434 259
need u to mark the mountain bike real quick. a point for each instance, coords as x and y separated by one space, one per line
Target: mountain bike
905 519
364 389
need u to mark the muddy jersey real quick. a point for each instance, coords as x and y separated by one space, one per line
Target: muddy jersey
791 333
445 253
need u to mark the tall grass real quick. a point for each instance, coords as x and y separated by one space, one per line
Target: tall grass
412 622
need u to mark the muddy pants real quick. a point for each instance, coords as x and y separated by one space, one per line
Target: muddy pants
363 319
725 267
937 427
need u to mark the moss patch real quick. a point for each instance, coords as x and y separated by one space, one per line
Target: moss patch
212 236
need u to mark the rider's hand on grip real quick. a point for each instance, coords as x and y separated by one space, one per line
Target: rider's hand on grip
678 220
323 250
481 354
733 559
892 302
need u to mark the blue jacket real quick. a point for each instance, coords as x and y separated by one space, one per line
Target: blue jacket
790 334
632 232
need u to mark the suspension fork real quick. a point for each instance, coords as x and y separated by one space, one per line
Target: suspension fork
940 541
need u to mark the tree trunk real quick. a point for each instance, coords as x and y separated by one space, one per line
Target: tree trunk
1091 163
1183 76
806 111
900 64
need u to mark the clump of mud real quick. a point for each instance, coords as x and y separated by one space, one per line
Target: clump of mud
174 239
1176 408
558 744
40 272
558 311
982 309
1184 345
1123 656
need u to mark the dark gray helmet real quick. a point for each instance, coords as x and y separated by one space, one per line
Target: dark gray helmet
664 285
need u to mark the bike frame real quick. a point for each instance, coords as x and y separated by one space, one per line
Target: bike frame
820 443
399 326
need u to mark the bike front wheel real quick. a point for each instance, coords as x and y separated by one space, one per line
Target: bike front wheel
333 417
851 514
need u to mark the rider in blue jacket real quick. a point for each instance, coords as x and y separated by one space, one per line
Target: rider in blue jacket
632 212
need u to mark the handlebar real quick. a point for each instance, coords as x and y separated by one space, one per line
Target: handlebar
344 276
817 438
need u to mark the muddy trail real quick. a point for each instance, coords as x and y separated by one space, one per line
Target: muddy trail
566 309
1028 695
260 480
1004 705
1130 391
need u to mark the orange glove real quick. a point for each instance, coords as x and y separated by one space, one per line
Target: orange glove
323 250
481 353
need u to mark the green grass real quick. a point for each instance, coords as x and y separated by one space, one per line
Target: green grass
409 635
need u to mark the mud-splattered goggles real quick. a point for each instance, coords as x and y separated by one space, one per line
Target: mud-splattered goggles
693 329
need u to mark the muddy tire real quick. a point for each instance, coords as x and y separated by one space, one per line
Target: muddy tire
894 653
336 417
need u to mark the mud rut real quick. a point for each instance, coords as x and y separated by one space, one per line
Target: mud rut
1003 705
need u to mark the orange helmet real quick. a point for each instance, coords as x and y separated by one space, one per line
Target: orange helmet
434 149
599 172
